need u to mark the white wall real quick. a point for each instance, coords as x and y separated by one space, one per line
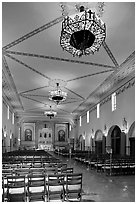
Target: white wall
10 128
125 108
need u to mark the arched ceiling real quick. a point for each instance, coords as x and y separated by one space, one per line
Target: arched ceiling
32 56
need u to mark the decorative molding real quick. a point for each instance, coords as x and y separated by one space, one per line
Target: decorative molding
89 75
58 59
33 89
74 93
27 66
110 54
111 83
34 32
10 84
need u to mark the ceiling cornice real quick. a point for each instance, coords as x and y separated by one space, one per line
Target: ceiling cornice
128 64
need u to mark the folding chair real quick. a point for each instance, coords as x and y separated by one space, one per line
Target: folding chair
22 171
37 164
37 171
55 187
73 190
68 170
16 189
51 170
4 189
36 187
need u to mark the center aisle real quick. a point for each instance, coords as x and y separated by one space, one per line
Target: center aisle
101 188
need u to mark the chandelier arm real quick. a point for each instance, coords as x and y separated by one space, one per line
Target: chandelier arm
110 54
75 93
58 59
33 89
11 80
34 32
33 99
89 75
27 66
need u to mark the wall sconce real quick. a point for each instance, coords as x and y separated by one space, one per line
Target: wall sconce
124 125
105 130
92 133
4 130
10 134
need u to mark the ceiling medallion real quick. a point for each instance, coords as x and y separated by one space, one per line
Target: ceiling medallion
50 113
82 33
57 95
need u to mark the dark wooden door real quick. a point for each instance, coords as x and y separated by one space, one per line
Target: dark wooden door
132 146
116 141
98 147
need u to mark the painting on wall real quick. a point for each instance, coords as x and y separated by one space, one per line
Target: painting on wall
61 136
28 135
61 132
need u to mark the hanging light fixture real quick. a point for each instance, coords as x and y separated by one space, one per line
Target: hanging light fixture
57 95
50 113
82 33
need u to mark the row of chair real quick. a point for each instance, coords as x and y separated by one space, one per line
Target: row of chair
110 164
35 171
63 187
33 165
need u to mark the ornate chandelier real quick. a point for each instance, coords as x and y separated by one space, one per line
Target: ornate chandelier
50 113
57 95
82 33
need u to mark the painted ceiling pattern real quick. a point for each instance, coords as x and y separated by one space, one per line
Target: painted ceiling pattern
32 59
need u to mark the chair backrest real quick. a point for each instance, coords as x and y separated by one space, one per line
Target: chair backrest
7 172
22 171
74 186
55 187
37 171
74 179
16 187
36 180
50 170
68 170
55 179
37 165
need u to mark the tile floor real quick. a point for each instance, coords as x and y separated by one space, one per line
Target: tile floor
98 187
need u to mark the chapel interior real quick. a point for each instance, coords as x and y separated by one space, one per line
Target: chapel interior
68 102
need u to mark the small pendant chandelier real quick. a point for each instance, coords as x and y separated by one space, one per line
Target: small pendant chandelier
82 33
57 95
50 113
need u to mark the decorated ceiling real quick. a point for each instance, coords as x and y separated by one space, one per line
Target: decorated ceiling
33 58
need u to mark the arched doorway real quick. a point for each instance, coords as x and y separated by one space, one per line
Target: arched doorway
92 144
115 134
131 135
82 143
99 142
